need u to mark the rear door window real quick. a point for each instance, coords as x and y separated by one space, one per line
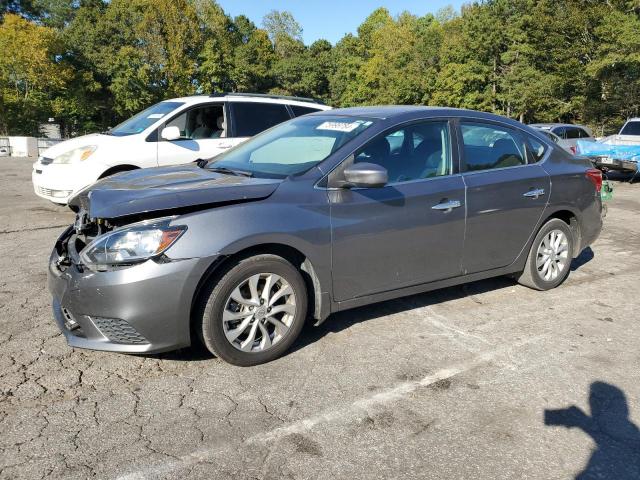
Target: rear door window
488 146
560 131
572 133
251 118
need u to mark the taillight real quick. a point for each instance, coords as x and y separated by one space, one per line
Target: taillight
595 176
573 150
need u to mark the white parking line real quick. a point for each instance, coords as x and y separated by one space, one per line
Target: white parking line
358 408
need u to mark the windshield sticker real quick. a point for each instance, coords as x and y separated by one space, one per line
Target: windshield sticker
339 126
156 115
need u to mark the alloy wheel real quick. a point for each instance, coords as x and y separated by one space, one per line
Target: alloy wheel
553 255
259 312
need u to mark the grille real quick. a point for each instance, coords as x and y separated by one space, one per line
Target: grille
48 192
118 331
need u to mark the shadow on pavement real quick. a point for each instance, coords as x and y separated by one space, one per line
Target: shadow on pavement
585 257
617 451
343 320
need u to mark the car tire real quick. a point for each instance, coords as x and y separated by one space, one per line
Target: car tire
232 295
549 260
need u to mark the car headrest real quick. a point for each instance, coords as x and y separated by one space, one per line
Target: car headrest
378 150
505 145
220 122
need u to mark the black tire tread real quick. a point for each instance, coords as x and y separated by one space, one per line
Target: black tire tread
208 304
528 277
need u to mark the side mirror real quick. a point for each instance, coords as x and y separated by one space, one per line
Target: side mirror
170 133
366 175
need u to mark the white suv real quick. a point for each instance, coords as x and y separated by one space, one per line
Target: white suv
171 132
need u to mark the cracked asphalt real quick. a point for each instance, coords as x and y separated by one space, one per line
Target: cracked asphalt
466 382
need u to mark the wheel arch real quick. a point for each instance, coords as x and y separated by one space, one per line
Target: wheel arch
117 169
570 218
298 259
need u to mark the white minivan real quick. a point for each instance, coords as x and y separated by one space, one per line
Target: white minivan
171 132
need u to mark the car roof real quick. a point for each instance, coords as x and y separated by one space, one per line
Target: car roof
553 125
546 132
252 97
409 112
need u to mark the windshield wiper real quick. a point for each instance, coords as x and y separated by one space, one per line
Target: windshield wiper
231 171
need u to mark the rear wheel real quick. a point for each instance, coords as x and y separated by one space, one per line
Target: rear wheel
255 311
550 257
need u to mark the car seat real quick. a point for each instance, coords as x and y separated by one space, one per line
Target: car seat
221 127
202 129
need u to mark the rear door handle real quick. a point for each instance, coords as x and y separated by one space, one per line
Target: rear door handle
447 206
534 193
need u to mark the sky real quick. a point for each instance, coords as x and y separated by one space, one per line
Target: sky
331 19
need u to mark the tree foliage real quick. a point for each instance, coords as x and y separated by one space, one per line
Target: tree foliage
89 63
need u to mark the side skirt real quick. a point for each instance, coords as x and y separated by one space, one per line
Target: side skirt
422 288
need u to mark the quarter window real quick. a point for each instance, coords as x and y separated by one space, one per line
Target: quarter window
583 133
413 152
251 118
537 149
487 147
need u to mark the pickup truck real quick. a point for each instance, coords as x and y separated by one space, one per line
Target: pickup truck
619 152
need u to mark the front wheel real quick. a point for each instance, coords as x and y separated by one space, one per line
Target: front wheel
550 257
255 311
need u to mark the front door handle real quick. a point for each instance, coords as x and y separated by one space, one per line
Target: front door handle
447 205
225 145
534 193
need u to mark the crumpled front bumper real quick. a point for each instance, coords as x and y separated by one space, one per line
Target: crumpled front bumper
137 309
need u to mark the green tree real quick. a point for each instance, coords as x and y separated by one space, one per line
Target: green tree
284 31
253 60
30 75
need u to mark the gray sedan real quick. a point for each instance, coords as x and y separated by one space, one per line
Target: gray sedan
323 213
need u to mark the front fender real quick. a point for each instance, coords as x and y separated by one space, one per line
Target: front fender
227 230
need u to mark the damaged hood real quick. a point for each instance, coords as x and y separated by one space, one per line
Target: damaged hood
167 188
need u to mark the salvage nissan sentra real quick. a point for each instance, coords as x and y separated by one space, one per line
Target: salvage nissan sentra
323 213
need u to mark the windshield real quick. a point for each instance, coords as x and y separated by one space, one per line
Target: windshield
631 128
144 119
292 147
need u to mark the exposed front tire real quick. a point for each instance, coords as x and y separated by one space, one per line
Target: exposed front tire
549 259
255 311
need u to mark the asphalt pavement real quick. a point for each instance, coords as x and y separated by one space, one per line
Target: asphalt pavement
484 381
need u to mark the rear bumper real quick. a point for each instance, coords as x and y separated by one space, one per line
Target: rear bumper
591 223
614 164
143 308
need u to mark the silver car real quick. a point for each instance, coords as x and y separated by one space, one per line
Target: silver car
323 213
567 133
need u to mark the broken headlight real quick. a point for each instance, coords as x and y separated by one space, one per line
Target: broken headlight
129 245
